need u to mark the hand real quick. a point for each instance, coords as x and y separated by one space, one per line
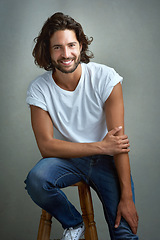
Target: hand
112 144
127 210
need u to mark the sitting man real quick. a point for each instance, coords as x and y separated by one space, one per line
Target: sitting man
80 103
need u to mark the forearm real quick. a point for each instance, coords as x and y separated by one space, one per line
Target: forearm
63 149
126 207
123 169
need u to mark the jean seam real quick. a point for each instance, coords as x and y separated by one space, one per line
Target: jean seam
66 175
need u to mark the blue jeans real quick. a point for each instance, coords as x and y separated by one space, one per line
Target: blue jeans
45 181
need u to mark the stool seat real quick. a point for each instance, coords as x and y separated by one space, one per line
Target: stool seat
87 214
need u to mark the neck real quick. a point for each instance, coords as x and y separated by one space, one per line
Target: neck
68 81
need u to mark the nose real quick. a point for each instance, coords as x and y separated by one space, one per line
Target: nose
65 52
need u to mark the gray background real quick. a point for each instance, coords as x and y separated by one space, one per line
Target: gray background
127 37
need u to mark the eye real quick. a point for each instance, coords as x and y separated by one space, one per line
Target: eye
56 47
72 45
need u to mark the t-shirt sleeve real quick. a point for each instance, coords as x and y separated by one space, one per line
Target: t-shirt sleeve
35 96
111 80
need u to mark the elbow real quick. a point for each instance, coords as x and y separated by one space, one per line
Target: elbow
45 150
44 154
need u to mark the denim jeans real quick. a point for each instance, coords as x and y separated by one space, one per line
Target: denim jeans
45 181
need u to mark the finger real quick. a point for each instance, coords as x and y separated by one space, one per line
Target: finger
134 227
125 141
126 145
133 223
118 219
123 137
134 230
125 150
115 130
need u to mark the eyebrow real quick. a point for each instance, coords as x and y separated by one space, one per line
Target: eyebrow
59 45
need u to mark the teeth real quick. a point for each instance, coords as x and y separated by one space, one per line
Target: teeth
67 62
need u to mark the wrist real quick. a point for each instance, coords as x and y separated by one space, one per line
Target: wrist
99 148
126 195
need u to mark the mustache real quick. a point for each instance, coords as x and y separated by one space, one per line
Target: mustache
63 58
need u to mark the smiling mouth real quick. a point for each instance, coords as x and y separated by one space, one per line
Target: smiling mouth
66 62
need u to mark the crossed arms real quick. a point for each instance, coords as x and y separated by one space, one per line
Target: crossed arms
114 143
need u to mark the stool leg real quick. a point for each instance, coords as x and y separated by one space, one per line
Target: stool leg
44 226
84 213
87 212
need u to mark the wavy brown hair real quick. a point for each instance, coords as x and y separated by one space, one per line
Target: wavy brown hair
58 21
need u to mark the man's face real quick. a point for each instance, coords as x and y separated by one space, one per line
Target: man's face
65 51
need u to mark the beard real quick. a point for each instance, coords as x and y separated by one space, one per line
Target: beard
63 69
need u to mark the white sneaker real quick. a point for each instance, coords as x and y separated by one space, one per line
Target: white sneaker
73 233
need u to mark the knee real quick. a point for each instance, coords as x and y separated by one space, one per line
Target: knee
34 182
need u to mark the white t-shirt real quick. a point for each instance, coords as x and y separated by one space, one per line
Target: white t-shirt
78 115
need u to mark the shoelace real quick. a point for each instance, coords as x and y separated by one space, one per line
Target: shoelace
69 232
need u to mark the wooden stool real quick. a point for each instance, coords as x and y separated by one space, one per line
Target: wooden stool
87 214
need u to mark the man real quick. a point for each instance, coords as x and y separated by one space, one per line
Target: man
81 103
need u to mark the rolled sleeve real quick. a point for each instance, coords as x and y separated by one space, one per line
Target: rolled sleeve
113 79
35 97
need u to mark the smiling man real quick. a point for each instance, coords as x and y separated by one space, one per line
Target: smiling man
65 51
80 103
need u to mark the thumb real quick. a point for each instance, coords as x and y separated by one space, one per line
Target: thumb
115 130
118 219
